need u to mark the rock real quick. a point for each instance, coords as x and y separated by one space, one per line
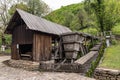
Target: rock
107 74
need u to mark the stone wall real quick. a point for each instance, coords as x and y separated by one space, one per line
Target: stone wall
106 74
117 37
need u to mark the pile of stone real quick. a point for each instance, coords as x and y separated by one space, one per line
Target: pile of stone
27 65
107 74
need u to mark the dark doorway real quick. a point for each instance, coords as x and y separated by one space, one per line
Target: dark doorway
25 51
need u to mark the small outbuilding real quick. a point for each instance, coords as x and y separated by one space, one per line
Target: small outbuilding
32 36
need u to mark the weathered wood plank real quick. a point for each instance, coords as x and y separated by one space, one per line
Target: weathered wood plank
21 35
42 47
14 54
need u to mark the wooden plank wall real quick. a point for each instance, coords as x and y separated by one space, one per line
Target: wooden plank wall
20 35
42 47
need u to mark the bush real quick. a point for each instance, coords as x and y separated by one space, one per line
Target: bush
116 30
8 39
92 31
114 42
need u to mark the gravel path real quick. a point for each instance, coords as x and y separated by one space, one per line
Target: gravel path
8 73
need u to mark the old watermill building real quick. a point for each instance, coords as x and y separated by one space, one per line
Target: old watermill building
32 36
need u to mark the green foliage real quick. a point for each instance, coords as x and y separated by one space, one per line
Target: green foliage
91 30
37 7
80 20
94 31
106 13
19 6
114 42
73 16
68 18
59 14
101 14
8 39
116 29
112 14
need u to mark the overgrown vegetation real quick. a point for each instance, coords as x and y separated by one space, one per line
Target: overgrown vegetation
95 63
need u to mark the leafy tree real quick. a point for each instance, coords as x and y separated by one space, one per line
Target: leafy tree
106 13
4 12
99 10
5 17
4 5
20 5
112 14
68 18
80 20
37 7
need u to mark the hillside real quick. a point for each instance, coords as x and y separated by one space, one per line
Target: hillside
59 15
68 15
75 17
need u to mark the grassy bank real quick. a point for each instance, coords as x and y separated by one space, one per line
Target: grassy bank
112 57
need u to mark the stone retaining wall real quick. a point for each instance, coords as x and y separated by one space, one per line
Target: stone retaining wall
117 37
63 67
106 74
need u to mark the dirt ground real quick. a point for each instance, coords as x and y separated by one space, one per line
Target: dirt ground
9 73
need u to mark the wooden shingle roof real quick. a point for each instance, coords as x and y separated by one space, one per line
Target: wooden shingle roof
37 24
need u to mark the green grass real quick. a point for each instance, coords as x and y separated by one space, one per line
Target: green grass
7 51
112 57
